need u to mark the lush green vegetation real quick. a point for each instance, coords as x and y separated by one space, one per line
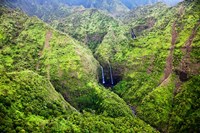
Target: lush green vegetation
49 80
88 26
149 83
185 111
29 103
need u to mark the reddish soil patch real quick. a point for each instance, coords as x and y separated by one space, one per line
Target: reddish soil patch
48 37
186 66
169 61
185 62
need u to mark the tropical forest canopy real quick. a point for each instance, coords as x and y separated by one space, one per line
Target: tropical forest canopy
99 66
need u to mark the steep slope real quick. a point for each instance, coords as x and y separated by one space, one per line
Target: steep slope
113 6
69 66
46 10
88 26
156 73
139 14
52 9
115 43
160 64
155 68
33 56
55 9
29 103
118 42
28 99
38 47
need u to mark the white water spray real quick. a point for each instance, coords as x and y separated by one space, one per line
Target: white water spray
103 77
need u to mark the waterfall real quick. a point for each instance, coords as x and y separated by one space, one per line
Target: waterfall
103 77
111 76
133 34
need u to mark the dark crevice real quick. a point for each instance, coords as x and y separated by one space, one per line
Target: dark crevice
183 76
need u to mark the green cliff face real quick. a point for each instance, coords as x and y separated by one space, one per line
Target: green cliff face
38 63
159 66
49 78
88 26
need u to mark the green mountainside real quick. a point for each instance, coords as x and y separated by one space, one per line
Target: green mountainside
30 103
162 72
45 58
51 73
55 9
46 10
88 26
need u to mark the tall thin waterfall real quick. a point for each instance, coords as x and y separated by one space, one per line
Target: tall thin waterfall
111 76
103 77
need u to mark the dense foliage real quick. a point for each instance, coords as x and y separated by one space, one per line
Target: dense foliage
165 59
49 78
88 26
30 103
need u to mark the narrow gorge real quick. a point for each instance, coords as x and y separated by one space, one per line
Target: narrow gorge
109 66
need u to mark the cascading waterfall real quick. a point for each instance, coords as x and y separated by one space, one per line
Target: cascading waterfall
103 77
111 76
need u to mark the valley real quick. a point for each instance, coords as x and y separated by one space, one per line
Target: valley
99 67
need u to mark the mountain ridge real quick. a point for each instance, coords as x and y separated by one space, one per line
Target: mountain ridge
85 71
115 7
